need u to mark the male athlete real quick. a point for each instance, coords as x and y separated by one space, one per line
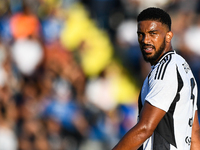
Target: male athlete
167 102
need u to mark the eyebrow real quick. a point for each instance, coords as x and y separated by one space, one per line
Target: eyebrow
153 31
148 31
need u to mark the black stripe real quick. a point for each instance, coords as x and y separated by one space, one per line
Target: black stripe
149 74
161 143
139 103
165 127
141 147
156 72
139 110
169 52
160 70
170 57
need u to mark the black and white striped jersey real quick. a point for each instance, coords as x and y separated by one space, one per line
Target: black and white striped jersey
171 86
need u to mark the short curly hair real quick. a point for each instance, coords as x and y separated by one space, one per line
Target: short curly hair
156 14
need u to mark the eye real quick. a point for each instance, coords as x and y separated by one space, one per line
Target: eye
139 34
153 33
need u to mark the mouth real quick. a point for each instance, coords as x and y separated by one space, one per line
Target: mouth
148 49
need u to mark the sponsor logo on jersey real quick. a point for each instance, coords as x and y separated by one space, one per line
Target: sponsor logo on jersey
188 140
186 67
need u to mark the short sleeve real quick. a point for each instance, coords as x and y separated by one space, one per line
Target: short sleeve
162 92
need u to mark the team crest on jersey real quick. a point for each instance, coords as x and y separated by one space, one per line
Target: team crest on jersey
186 67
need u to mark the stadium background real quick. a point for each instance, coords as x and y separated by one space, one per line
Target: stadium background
71 70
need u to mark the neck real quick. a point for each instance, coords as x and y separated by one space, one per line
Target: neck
167 49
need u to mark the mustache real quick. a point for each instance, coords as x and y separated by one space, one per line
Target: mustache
144 45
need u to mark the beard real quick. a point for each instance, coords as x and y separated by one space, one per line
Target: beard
157 54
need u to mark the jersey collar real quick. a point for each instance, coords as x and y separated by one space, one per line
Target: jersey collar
164 55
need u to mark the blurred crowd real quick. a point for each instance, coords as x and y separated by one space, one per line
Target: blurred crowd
71 70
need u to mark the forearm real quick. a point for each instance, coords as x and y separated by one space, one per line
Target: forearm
134 138
195 141
150 116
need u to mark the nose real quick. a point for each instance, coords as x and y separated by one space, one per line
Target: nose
145 39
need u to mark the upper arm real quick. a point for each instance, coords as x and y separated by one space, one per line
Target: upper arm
195 140
150 116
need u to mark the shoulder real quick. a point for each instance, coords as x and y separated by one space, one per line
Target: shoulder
166 67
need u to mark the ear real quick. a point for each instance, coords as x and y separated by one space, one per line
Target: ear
169 36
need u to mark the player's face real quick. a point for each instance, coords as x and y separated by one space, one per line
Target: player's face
151 37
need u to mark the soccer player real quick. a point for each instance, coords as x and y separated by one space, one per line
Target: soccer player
167 102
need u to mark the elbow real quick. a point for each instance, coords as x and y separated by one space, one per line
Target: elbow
195 140
147 131
196 136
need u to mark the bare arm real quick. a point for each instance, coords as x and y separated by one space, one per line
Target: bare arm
195 140
150 116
